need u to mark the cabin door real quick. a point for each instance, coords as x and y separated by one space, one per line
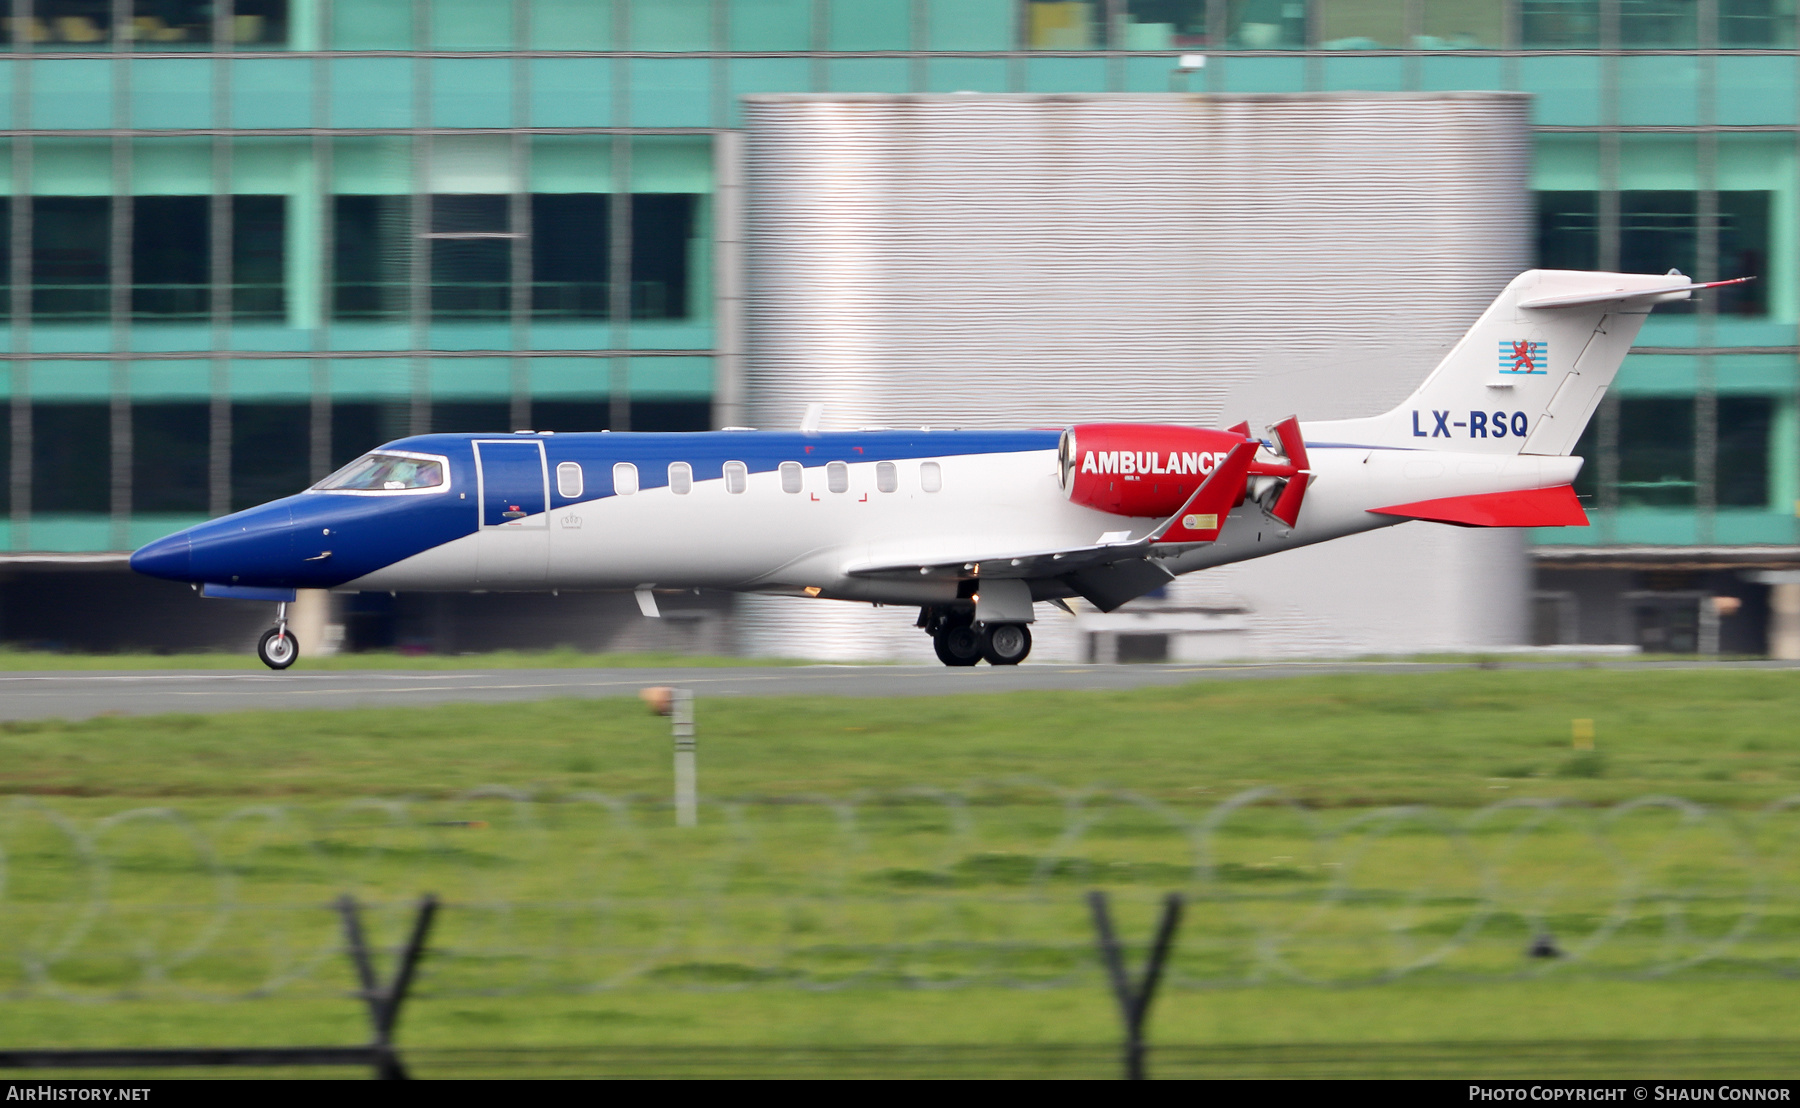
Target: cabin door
513 539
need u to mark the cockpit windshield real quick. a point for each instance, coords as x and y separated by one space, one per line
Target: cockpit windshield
381 472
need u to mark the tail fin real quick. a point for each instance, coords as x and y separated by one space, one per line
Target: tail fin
1528 376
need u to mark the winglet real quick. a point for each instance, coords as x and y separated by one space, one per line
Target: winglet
1203 516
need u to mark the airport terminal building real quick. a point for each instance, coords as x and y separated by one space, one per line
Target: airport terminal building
249 239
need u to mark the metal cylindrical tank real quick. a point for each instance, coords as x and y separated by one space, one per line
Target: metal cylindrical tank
986 260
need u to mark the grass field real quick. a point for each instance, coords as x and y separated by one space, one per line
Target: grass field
894 885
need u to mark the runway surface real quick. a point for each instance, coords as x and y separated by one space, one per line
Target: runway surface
82 694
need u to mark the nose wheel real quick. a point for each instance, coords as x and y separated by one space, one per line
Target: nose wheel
278 648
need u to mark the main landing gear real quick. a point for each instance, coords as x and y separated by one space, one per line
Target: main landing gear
959 641
278 648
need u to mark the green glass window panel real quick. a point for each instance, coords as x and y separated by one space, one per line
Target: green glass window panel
1450 73
278 215
771 24
1365 74
60 380
471 378
1754 23
1656 452
71 465
6 99
1654 23
1659 89
369 227
671 25
970 24
1756 89
371 92
1659 162
170 449
169 25
569 377
1550 24
171 92
686 377
1154 74
1065 74
71 167
870 25
170 380
672 163
1568 229
269 379
1461 25
965 75
371 379
868 75
1264 74
171 167
752 75
571 24
1361 24
1754 374
571 164
471 25
1266 24
271 92
471 92
1163 25
70 94
571 92
372 24
1567 89
1567 163
670 92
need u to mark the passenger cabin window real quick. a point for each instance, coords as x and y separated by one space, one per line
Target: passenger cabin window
391 472
931 476
887 476
737 477
837 477
625 481
681 478
568 479
791 476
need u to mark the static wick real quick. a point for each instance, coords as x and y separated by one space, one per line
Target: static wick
1582 731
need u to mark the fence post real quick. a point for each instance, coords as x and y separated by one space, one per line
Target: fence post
385 1003
681 714
1134 1002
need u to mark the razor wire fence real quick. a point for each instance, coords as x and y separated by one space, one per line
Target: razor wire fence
977 886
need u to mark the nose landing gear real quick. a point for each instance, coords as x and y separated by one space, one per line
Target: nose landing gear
278 648
959 642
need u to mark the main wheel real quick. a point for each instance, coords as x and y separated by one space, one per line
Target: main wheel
958 645
1005 644
278 648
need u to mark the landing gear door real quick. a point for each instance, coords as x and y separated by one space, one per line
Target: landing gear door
513 495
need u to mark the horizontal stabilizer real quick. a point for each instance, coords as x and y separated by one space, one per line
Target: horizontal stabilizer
1606 296
1552 507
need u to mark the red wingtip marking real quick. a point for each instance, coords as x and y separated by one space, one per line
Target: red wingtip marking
1552 507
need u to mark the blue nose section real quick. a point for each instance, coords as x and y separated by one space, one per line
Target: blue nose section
170 558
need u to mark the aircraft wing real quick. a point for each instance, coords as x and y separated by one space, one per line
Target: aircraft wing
1107 574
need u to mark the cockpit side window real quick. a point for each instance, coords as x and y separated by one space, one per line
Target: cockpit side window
387 471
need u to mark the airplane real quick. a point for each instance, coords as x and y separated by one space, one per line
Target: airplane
974 528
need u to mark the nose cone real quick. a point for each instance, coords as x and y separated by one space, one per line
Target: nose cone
170 558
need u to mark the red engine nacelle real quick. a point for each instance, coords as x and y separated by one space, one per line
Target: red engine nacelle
1139 469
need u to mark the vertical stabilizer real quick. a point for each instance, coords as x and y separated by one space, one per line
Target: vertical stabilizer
1528 376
